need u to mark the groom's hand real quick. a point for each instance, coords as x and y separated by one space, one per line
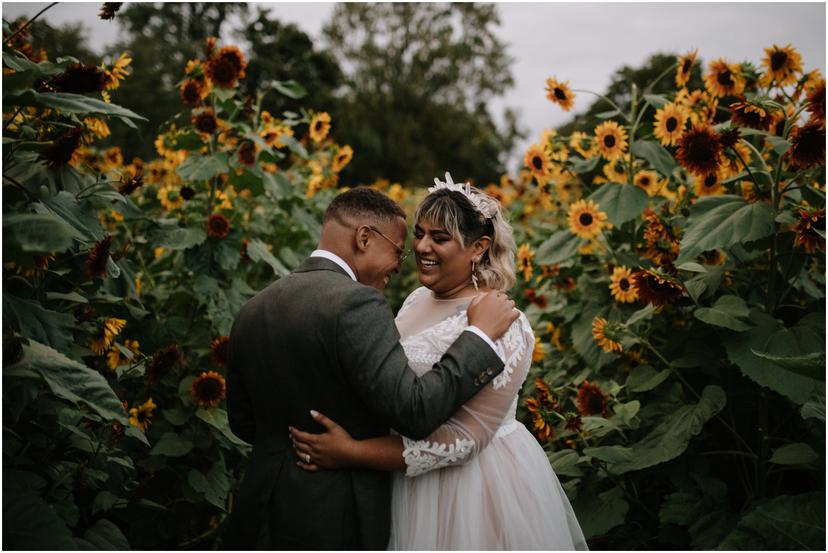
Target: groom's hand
493 313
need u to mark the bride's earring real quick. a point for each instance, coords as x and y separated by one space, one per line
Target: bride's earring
474 275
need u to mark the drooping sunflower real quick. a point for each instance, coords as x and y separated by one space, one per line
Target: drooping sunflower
735 159
585 219
226 67
621 285
685 67
649 182
611 139
162 362
205 121
700 106
669 123
543 429
342 158
109 9
591 400
699 150
79 78
807 145
724 79
96 260
573 422
753 114
62 150
559 93
111 328
219 352
524 259
660 240
320 126
816 102
783 66
218 226
209 389
656 287
602 336
141 416
169 197
538 163
810 221
708 185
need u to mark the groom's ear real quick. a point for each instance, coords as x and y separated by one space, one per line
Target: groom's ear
362 234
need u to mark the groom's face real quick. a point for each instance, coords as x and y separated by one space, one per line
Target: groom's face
382 258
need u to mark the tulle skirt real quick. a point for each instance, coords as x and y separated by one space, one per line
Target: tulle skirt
506 498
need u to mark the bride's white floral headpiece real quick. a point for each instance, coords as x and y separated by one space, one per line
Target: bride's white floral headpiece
478 200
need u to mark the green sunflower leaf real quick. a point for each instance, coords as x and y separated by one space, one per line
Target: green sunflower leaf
606 511
41 233
557 248
610 453
794 454
722 221
565 462
811 365
104 535
621 202
30 523
69 103
644 378
656 154
291 89
783 523
726 312
198 167
257 251
172 445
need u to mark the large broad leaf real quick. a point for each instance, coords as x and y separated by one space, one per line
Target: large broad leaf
565 463
727 312
257 251
291 89
610 453
771 338
783 523
655 153
29 523
198 167
814 408
35 321
80 214
73 381
598 514
172 445
644 378
105 536
811 365
557 248
794 454
68 103
215 485
721 221
669 439
621 202
181 238
217 418
35 232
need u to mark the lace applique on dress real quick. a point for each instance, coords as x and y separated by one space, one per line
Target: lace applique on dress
423 456
511 346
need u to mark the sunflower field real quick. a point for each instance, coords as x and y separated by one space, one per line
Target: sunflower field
674 273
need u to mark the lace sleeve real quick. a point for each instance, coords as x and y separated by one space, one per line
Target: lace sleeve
474 425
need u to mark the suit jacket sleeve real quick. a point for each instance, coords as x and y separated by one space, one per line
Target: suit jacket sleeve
377 368
240 413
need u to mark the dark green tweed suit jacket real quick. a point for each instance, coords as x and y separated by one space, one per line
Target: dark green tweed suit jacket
316 339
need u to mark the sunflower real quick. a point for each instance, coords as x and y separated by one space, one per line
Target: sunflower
656 287
782 66
109 9
187 192
209 389
226 67
810 221
247 152
62 150
113 157
748 191
342 158
573 422
669 123
611 139
567 189
649 182
97 129
699 150
79 78
320 126
111 328
205 121
559 93
753 114
724 79
816 102
621 285
585 220
542 428
709 185
538 353
272 135
524 257
114 357
807 146
685 67
218 226
169 197
118 73
616 171
712 257
219 352
555 336
735 159
538 163
162 361
584 144
140 416
591 400
701 106
599 333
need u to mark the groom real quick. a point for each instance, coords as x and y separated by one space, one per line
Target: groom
324 337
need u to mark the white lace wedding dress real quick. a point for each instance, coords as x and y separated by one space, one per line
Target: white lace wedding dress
481 480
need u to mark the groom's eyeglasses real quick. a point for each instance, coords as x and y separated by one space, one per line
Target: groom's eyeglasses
401 253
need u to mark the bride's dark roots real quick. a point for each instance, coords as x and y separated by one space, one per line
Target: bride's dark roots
454 212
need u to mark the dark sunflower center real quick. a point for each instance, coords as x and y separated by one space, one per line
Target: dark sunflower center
609 141
209 389
595 403
778 60
537 163
685 67
702 149
224 72
725 78
672 124
585 219
624 284
318 126
710 181
142 416
559 94
645 181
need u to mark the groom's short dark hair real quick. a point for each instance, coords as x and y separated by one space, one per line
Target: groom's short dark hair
361 203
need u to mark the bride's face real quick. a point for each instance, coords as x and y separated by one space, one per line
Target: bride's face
442 261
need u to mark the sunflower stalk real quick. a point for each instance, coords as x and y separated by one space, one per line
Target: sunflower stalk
610 102
651 85
745 165
636 120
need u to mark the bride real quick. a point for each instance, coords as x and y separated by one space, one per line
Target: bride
481 480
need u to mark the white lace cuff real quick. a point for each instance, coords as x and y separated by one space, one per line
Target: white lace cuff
423 456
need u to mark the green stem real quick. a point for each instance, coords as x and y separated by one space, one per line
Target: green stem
610 102
746 166
13 117
762 467
633 108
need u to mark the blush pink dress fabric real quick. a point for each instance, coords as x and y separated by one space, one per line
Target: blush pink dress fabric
481 481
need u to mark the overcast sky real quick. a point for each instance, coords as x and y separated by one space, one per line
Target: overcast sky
582 43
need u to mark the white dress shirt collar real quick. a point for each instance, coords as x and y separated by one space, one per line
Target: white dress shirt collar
336 259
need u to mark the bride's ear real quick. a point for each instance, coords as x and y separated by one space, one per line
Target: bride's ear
481 246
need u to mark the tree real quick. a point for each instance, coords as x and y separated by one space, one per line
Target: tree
418 80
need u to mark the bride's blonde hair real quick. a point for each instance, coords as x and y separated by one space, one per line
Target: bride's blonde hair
466 223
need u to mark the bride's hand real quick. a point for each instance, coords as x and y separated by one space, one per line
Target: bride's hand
329 450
